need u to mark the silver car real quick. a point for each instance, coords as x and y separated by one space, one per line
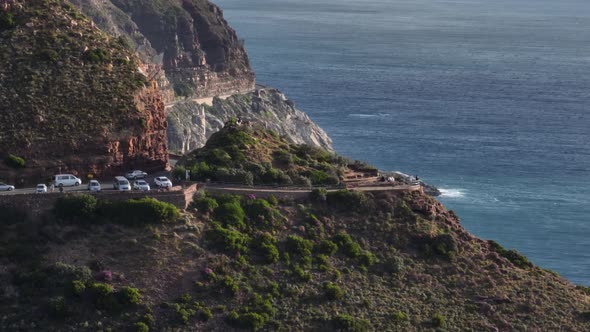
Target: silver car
94 186
6 187
141 185
137 174
41 188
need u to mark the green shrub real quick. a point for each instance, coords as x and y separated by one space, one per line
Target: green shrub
78 287
266 246
438 320
179 172
61 274
231 214
319 178
97 55
77 207
345 322
273 200
348 200
366 259
137 212
205 314
282 157
332 291
251 320
512 255
263 214
141 327
326 247
319 195
14 161
129 295
229 285
7 20
297 245
399 317
103 296
348 246
445 245
205 204
227 240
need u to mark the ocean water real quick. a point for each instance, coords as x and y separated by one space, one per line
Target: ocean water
488 100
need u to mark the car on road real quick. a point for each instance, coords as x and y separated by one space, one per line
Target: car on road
6 187
137 174
163 182
121 183
66 180
94 186
41 188
141 185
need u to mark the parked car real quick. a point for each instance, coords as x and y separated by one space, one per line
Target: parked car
137 174
6 187
141 185
65 180
163 182
120 183
94 185
41 188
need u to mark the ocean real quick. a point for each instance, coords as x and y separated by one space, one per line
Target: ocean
488 100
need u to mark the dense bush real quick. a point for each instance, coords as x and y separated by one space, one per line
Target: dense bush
77 207
326 247
319 178
298 246
266 246
319 195
227 240
332 291
445 244
512 255
129 295
14 161
345 322
262 214
231 214
438 320
97 55
348 246
205 204
139 211
102 295
141 327
348 200
7 20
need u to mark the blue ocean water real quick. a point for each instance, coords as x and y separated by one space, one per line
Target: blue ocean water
489 100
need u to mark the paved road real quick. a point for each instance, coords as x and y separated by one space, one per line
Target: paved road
106 185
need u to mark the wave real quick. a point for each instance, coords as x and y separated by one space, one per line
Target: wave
451 193
361 115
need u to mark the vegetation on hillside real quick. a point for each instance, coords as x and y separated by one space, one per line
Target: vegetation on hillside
240 154
63 82
337 261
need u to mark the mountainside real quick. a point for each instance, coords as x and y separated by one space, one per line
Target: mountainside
191 124
345 261
72 98
199 53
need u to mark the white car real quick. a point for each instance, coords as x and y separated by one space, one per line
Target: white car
163 182
6 187
41 188
94 186
64 180
137 174
141 185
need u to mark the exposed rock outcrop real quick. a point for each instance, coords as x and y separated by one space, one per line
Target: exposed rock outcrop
73 98
190 124
200 54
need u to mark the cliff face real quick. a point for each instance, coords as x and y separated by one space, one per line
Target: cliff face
190 124
71 97
189 40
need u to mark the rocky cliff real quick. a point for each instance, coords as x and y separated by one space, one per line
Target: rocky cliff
199 53
190 124
72 98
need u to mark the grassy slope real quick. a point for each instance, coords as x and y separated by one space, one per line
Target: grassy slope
244 155
409 267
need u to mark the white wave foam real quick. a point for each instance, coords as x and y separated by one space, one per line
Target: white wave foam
361 115
451 193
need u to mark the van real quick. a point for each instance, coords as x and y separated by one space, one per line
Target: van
65 180
121 183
